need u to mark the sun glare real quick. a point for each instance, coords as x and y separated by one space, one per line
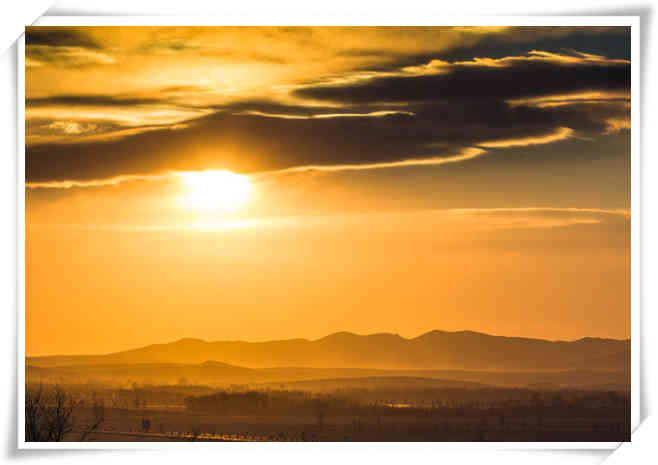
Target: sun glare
215 191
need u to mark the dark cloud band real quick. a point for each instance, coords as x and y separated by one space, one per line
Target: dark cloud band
427 111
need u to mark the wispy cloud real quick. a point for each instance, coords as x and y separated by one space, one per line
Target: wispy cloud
539 217
40 55
466 154
603 211
617 124
372 114
557 135
587 97
68 184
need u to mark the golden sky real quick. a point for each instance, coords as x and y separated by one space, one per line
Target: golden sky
271 183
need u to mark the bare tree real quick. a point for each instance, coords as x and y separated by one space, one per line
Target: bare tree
49 415
48 418
98 418
60 415
34 430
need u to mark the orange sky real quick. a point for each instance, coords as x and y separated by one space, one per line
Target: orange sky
391 180
542 274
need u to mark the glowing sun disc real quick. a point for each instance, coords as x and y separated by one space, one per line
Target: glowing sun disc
215 191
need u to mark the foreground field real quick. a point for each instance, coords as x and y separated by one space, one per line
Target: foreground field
181 425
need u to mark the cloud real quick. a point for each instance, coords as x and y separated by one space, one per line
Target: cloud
249 143
397 110
59 37
68 184
541 217
111 116
72 127
372 114
567 210
535 74
255 137
566 58
557 135
574 98
617 124
89 133
40 55
91 100
466 154
63 46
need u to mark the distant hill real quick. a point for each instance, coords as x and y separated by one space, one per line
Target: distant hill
156 373
314 379
462 350
611 361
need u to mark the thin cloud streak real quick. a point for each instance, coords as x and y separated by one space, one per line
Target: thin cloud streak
539 217
560 134
467 154
547 101
603 211
67 184
372 114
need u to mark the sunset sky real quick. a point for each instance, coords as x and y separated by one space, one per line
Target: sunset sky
272 183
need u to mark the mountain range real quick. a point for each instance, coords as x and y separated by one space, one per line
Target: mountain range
435 350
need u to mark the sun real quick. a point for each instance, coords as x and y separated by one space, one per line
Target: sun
217 192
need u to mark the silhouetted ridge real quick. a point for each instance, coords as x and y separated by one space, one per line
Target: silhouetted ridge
464 350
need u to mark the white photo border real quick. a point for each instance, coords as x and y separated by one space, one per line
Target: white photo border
309 20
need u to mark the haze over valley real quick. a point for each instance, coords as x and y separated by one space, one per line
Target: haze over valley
464 356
